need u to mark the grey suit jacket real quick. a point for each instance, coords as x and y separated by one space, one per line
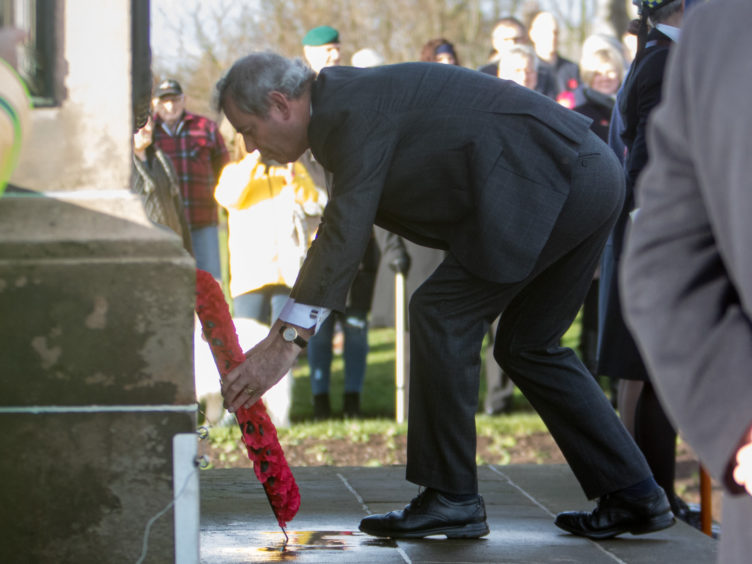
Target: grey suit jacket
443 156
687 275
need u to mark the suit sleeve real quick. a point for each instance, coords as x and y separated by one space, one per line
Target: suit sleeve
361 291
358 152
679 293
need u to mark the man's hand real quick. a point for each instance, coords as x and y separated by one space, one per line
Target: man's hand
265 365
743 469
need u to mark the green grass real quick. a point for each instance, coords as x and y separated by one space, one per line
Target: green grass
378 396
378 406
502 431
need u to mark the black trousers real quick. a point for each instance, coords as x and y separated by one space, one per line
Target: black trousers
449 314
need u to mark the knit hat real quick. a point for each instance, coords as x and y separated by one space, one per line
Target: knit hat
322 35
446 49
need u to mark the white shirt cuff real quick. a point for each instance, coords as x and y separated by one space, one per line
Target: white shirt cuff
303 315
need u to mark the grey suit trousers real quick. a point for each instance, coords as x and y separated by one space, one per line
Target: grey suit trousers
449 314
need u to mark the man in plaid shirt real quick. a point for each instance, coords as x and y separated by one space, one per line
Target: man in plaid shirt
198 154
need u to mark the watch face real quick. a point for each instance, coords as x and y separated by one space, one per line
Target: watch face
289 334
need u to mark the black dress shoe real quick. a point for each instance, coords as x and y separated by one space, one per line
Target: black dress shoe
430 513
617 514
690 515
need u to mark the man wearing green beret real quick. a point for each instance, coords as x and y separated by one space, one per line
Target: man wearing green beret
321 47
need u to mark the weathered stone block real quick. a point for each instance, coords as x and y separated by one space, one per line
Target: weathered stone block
81 487
96 334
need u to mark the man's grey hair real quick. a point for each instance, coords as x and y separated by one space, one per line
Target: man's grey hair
251 79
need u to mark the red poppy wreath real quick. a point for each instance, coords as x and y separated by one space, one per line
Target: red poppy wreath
259 433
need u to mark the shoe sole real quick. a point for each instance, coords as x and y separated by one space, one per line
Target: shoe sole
469 531
655 524
658 523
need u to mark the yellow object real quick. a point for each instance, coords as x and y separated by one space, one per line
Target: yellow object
15 106
273 212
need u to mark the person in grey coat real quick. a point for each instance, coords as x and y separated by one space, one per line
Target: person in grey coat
687 273
521 195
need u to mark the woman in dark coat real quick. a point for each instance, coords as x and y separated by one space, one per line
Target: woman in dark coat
618 354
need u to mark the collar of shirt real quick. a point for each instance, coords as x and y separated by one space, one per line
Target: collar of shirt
669 31
183 119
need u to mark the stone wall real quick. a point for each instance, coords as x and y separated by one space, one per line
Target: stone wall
96 322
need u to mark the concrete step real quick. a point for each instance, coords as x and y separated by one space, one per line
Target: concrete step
237 524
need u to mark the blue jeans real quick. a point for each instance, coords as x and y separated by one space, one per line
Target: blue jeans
264 305
205 241
355 325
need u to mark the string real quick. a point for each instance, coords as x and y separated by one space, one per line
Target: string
145 543
198 462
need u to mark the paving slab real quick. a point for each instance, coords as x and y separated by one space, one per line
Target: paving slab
237 524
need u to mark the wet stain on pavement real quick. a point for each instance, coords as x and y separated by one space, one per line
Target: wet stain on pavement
312 546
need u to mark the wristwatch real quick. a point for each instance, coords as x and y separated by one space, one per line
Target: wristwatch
290 334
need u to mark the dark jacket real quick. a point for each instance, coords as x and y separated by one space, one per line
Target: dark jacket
155 181
643 96
444 156
567 74
598 107
618 354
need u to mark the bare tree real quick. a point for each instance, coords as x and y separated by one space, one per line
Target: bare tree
611 17
209 36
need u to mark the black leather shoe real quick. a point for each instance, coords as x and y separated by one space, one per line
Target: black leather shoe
690 515
617 514
430 513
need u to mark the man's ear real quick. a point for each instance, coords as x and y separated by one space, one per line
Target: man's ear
280 102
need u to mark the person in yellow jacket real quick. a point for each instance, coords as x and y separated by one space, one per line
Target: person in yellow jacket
273 212
14 104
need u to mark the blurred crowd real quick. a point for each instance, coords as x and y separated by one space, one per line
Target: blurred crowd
194 184
273 209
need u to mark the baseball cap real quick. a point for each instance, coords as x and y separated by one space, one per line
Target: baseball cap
167 87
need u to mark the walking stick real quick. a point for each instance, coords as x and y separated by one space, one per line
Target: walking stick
706 502
399 344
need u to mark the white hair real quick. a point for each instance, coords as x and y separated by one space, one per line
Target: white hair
366 58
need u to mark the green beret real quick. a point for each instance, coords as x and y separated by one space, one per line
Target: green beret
321 35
